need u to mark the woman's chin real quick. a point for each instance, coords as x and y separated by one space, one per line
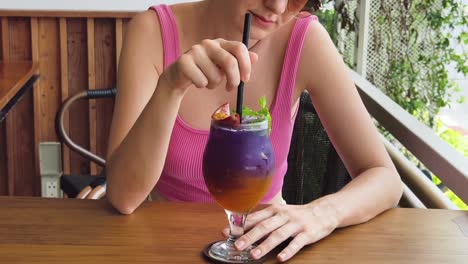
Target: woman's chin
259 34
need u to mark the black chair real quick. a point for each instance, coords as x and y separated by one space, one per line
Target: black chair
314 169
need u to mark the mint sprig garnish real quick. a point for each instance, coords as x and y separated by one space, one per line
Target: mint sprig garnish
263 112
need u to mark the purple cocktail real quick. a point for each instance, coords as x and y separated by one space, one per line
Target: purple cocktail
238 166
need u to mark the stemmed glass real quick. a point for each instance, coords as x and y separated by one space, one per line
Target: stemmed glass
238 166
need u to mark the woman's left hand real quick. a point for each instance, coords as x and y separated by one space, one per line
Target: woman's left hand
305 223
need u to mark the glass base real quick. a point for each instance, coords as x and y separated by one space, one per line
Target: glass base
224 251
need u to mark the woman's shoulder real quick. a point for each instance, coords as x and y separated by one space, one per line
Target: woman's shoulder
317 41
144 21
319 53
143 34
316 31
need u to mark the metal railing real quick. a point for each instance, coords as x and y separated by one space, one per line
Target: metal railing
444 161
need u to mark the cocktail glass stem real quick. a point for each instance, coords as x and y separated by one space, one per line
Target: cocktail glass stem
236 226
225 251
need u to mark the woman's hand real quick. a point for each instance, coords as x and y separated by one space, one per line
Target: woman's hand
210 63
277 223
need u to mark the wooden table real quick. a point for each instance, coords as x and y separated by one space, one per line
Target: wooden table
36 230
15 79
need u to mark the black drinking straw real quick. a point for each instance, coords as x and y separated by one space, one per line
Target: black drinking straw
240 89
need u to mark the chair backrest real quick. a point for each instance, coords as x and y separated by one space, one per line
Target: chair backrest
314 167
82 186
59 121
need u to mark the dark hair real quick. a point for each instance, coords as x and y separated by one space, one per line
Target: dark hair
313 5
306 5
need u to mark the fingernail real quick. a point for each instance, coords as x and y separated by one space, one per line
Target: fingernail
226 231
239 244
282 256
248 77
256 253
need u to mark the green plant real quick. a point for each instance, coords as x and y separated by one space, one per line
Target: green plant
460 143
417 76
453 138
417 38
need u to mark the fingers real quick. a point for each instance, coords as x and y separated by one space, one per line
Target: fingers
253 57
253 219
233 59
242 55
225 232
257 217
228 64
190 70
294 246
211 62
261 230
277 223
274 239
213 74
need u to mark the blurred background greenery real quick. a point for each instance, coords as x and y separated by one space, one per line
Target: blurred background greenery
414 48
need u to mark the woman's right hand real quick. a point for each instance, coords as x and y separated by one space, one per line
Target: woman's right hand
208 64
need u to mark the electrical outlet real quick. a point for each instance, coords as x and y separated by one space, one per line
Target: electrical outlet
51 169
50 187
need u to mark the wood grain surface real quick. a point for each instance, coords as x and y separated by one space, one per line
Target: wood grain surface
17 130
35 230
12 78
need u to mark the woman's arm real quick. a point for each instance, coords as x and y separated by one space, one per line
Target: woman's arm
144 114
376 185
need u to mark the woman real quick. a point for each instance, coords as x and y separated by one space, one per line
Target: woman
165 100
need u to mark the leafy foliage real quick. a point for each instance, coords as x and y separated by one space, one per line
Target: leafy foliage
417 74
263 112
460 143
417 77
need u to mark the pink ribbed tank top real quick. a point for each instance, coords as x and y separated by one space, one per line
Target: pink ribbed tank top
182 177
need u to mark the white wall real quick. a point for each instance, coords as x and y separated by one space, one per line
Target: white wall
84 5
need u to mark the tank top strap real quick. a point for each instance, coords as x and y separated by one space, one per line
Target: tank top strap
291 64
170 37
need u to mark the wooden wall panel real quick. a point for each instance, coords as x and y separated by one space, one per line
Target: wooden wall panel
21 171
3 148
20 38
37 100
49 83
105 74
22 180
74 53
77 82
3 161
1 41
91 86
64 89
5 39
